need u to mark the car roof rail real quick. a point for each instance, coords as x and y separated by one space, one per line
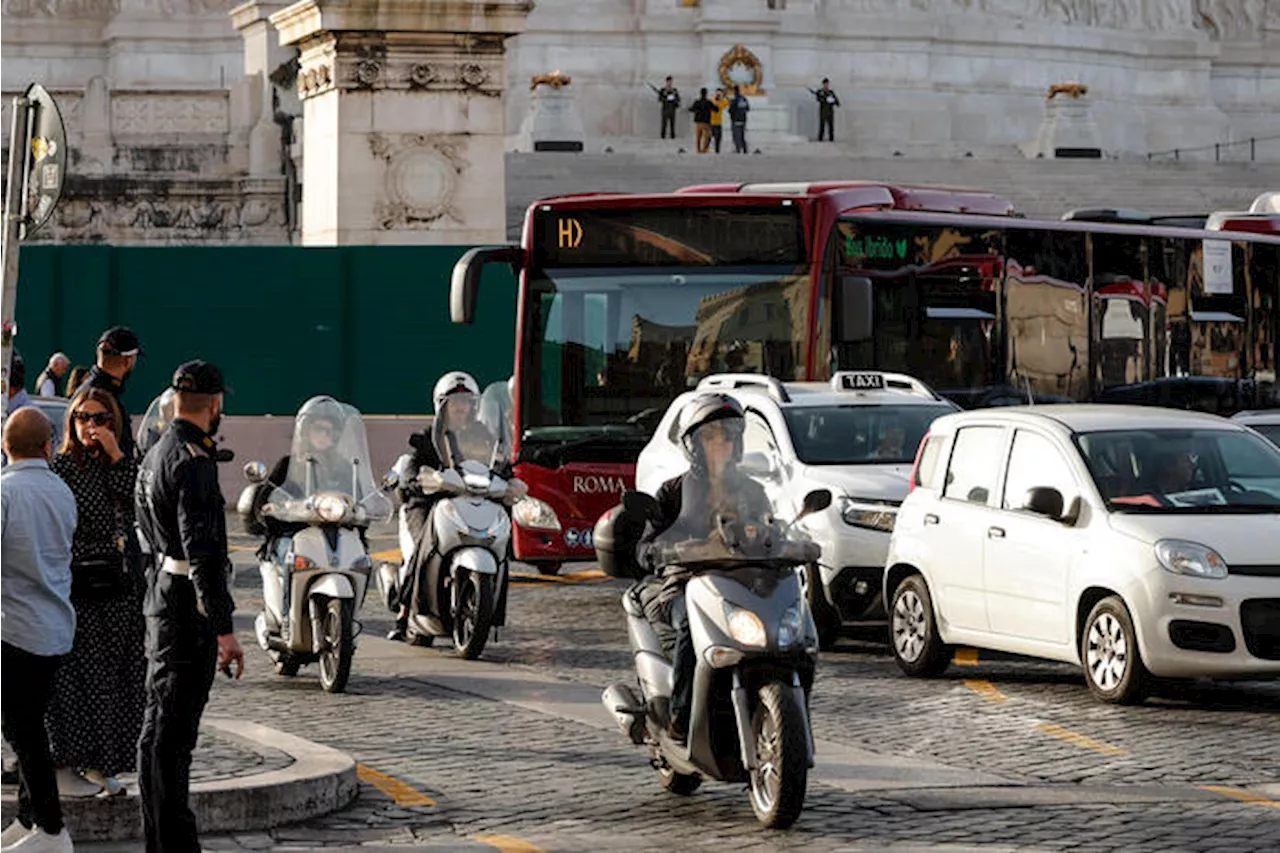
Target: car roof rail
847 381
731 381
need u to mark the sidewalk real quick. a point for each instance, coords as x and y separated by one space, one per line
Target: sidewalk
244 778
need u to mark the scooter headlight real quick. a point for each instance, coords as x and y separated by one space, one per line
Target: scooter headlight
534 514
330 507
791 628
745 627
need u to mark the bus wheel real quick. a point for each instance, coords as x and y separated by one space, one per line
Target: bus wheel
552 568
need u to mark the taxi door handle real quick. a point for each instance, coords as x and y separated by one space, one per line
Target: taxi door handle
930 518
995 532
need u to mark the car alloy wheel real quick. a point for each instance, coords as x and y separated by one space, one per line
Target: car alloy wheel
909 628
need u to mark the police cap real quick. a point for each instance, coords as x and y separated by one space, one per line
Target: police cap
120 340
198 377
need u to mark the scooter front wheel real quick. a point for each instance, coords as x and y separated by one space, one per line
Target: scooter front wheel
781 776
339 645
473 615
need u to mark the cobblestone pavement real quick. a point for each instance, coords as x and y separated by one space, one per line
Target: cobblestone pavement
1196 769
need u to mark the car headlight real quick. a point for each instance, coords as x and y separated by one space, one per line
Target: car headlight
330 507
534 514
872 515
745 626
1190 558
791 628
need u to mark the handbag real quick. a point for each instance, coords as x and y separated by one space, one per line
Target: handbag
99 578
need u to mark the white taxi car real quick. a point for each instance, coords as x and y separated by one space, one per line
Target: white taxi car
1134 541
855 435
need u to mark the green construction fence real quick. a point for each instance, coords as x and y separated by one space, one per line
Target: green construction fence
366 324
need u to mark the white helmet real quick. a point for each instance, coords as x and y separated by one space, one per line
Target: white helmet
454 382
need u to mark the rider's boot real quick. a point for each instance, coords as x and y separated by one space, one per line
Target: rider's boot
402 625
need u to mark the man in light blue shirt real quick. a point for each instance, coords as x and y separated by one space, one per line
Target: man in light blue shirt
37 620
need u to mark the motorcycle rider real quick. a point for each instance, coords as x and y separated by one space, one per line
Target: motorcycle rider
456 398
711 436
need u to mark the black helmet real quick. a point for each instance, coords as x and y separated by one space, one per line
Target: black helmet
705 409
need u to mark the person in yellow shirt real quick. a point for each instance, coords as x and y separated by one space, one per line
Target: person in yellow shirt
721 104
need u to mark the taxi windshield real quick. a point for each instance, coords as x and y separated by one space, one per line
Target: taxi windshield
860 434
1183 470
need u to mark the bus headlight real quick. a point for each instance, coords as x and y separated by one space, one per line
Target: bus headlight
534 514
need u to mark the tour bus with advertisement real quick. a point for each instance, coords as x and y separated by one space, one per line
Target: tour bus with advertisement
626 301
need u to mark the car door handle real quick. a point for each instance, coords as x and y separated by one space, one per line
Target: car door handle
930 518
995 532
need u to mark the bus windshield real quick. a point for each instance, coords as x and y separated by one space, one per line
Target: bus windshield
606 350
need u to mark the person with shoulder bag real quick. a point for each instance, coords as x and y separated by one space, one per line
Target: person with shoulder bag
95 716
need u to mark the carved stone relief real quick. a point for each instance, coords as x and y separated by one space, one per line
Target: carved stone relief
61 8
139 113
421 174
168 218
414 73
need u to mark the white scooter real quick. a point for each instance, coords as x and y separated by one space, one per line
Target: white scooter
316 572
460 587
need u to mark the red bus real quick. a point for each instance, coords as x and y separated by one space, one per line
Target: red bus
626 301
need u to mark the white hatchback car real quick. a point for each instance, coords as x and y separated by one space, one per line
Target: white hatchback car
855 435
1134 541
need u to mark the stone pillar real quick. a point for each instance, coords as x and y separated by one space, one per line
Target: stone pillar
263 54
553 122
402 104
1067 129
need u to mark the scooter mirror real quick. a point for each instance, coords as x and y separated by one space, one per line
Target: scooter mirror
390 480
640 505
815 501
255 471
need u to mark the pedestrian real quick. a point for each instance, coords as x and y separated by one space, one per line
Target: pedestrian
95 716
118 352
75 378
702 110
827 103
17 384
717 118
188 606
669 98
739 106
37 526
49 379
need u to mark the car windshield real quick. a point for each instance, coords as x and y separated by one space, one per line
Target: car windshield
1270 431
857 435
1183 470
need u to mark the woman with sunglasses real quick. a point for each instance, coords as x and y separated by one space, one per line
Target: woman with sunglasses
95 716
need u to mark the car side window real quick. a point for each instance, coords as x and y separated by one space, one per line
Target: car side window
927 470
1035 461
758 438
975 464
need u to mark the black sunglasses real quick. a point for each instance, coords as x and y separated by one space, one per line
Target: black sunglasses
99 418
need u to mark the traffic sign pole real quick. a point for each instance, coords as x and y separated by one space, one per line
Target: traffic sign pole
14 215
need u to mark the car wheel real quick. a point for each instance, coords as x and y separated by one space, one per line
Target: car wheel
1109 653
913 630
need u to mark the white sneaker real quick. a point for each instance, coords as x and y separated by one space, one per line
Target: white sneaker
111 786
72 784
39 841
13 833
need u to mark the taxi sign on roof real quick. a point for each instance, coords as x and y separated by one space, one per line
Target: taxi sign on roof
860 381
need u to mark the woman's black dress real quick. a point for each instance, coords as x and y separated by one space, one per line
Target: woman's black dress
95 715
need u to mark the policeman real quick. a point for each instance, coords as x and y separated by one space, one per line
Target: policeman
827 103
118 352
669 98
188 605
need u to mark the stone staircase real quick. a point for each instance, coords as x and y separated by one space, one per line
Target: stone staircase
1037 188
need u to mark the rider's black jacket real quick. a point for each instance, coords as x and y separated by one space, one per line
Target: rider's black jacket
424 454
181 512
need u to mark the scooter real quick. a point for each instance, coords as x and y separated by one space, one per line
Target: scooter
460 588
315 578
756 648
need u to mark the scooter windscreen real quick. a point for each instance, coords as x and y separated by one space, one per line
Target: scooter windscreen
157 419
726 517
464 431
330 478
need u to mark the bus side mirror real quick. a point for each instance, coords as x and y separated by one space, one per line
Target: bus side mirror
857 308
464 284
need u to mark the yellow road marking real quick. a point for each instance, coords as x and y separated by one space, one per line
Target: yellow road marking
1252 797
509 844
403 793
986 690
966 657
1080 740
391 556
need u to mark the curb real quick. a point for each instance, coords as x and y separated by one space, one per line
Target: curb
320 780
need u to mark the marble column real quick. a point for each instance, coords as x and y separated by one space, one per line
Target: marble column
403 108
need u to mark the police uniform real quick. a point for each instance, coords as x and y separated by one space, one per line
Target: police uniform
188 606
118 340
827 103
669 97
